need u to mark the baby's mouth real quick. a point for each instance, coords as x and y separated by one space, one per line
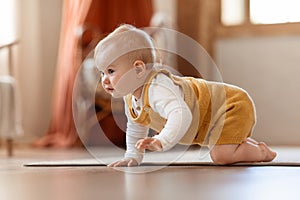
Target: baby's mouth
109 89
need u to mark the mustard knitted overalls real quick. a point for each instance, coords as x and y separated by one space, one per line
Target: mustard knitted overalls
222 113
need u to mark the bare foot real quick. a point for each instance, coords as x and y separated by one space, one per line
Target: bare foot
269 154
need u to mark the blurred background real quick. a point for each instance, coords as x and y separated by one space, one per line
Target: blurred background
254 43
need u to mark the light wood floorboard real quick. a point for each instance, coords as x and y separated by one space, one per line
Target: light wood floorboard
89 183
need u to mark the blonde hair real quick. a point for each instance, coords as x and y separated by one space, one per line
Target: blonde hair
126 40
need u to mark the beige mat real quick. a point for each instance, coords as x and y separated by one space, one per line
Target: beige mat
93 163
287 156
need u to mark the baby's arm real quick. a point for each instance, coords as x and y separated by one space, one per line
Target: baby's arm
134 132
167 99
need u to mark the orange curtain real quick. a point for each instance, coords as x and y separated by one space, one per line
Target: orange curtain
106 15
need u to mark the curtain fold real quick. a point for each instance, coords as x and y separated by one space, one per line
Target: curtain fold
106 15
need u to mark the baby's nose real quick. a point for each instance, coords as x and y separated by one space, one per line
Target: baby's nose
104 79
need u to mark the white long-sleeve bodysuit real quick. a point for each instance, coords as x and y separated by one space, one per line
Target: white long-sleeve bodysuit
165 98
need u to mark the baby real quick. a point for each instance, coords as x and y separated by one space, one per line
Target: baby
183 110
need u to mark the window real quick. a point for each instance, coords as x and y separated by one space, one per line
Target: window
274 11
260 11
233 12
7 21
259 17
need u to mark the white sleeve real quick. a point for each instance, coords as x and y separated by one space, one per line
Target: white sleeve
167 99
134 132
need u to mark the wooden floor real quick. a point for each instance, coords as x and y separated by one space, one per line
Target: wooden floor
177 182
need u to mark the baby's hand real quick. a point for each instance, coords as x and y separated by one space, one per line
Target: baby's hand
149 143
126 162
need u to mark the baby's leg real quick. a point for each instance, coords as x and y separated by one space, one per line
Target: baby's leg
249 151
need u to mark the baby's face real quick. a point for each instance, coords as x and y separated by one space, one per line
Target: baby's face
117 79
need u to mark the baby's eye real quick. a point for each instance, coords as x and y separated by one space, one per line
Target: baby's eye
110 71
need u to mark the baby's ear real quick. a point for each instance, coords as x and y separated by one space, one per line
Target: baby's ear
140 68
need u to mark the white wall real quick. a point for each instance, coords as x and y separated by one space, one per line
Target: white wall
39 27
269 68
